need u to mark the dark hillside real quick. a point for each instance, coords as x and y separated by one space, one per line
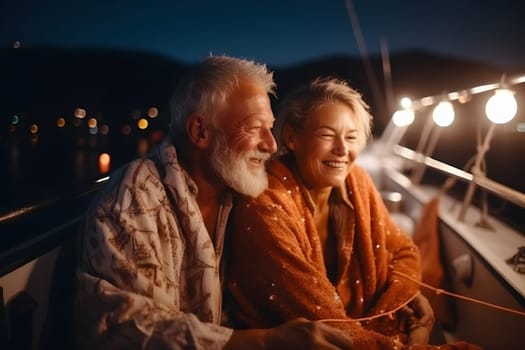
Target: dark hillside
40 85
414 73
51 81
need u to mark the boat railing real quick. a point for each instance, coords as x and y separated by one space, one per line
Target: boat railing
439 110
29 231
480 180
37 263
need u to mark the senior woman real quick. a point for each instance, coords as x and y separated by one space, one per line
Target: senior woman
319 243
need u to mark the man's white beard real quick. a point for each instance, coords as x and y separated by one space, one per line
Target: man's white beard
233 168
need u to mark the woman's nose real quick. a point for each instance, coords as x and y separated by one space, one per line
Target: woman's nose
340 147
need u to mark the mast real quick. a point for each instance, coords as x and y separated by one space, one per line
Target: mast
372 79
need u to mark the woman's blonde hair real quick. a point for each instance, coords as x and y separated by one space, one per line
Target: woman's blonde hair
298 106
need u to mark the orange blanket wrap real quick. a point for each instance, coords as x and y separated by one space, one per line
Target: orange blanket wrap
277 270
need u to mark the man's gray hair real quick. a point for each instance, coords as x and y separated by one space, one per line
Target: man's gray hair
207 86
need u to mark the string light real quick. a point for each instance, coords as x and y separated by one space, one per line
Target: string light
403 117
501 107
443 114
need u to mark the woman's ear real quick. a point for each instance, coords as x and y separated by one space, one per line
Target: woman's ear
288 135
197 131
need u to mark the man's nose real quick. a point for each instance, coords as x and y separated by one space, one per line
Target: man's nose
268 141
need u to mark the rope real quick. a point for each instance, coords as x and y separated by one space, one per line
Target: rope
438 291
369 318
462 297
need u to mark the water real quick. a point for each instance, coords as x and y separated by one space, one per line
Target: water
37 167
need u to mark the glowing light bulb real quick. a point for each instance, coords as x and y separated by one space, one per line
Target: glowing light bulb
403 117
443 114
406 102
501 107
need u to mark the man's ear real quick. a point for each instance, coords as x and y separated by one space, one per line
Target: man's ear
288 135
197 131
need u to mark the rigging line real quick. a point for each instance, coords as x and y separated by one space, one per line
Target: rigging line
370 318
436 290
387 76
372 80
458 296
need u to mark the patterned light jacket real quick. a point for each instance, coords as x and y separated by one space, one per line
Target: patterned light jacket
277 269
148 274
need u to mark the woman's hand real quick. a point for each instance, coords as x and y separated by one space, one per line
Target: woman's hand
417 320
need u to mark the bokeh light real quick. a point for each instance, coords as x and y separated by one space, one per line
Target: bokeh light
33 129
61 122
79 113
92 123
104 163
142 123
153 112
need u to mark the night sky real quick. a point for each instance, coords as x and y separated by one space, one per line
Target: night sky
276 32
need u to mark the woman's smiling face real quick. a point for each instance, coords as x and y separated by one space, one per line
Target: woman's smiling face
326 147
